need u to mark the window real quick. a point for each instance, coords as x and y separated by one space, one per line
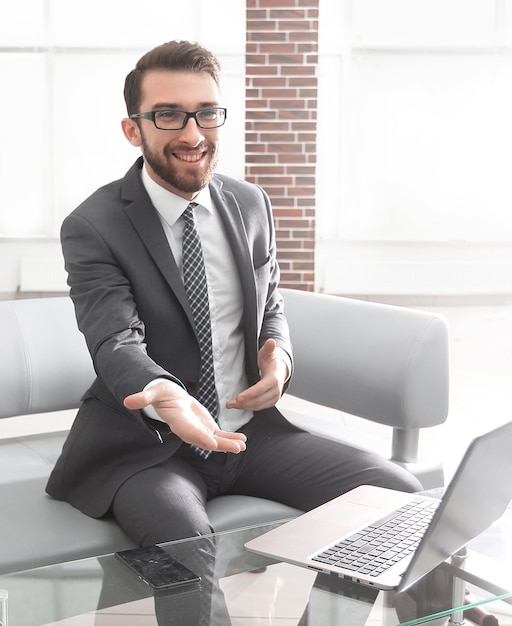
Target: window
63 66
415 146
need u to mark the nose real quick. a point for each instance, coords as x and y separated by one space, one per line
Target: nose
191 133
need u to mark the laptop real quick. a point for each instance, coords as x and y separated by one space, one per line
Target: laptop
331 538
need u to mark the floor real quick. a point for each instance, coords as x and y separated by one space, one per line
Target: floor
480 398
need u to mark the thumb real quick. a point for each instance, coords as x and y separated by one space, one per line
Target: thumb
138 400
268 348
265 354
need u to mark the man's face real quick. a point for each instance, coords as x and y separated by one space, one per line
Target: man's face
182 161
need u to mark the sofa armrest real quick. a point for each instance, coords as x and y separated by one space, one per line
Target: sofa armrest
385 363
45 363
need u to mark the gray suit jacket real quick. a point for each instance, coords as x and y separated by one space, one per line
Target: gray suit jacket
132 308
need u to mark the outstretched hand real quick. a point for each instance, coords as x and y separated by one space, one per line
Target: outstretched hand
187 418
268 390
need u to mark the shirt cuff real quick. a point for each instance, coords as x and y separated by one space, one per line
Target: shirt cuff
286 358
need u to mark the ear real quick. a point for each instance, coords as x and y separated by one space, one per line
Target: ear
131 131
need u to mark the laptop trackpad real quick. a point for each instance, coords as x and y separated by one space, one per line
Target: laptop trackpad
352 513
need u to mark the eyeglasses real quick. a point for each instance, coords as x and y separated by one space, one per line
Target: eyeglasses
172 119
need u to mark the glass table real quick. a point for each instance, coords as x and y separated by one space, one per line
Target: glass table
239 587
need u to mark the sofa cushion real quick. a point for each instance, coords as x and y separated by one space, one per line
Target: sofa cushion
38 530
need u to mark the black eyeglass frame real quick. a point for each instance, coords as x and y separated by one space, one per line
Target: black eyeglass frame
151 115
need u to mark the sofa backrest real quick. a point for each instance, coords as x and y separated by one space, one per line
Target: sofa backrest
385 363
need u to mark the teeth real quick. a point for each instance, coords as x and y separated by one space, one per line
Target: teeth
190 158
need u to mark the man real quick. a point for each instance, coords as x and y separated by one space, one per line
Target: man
137 447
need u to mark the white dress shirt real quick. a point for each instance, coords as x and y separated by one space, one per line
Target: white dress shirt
224 293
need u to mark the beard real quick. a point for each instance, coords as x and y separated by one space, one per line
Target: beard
184 181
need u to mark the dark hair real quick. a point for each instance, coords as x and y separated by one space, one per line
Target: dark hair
173 55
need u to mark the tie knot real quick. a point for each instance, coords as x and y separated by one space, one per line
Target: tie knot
188 213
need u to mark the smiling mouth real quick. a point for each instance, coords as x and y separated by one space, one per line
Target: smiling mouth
188 157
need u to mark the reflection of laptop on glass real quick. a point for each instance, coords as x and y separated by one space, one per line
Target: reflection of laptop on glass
475 498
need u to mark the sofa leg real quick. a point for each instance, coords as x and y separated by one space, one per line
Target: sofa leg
404 452
405 445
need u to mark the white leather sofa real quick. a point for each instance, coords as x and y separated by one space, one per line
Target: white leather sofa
383 363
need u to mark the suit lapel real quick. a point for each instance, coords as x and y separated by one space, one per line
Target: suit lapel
144 217
230 213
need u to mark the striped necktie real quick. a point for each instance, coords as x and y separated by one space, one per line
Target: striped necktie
194 278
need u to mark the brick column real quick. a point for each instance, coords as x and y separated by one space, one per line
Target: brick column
280 136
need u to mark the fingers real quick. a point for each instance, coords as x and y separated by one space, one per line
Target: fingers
226 434
260 396
220 441
230 442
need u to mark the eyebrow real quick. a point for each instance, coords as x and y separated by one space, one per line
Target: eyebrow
173 105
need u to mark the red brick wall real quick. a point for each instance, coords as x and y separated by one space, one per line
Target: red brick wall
280 136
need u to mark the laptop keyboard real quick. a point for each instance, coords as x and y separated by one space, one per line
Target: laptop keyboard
383 543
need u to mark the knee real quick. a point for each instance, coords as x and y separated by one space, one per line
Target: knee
173 529
156 523
402 480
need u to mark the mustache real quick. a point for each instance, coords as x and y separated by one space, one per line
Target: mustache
202 147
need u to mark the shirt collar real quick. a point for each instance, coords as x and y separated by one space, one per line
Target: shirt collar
168 204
